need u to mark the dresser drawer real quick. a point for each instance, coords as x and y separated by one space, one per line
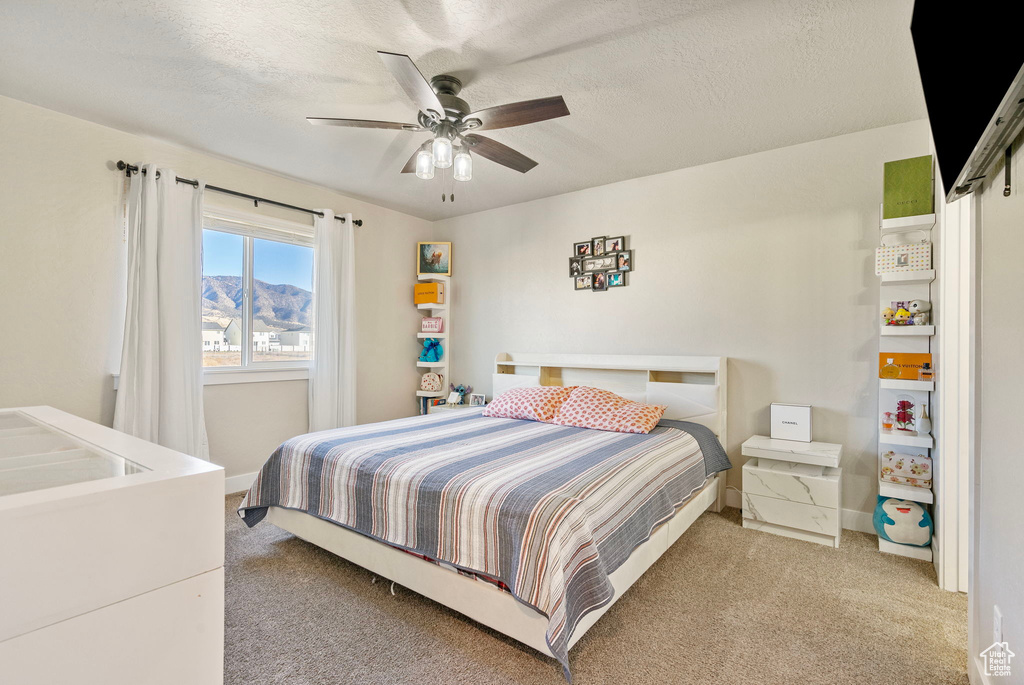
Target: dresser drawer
792 482
797 515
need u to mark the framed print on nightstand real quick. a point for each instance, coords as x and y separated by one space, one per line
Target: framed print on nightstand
584 282
581 249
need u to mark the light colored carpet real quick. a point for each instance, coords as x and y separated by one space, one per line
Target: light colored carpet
724 605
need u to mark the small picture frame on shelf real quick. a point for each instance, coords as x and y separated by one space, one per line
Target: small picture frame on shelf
584 282
575 267
616 279
581 249
477 400
433 259
600 282
614 244
597 248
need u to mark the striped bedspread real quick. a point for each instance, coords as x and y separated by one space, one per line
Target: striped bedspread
550 511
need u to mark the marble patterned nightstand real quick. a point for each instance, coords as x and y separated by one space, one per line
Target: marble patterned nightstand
793 489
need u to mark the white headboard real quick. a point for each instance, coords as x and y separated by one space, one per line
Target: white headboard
693 388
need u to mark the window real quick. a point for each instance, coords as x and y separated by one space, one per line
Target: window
257 292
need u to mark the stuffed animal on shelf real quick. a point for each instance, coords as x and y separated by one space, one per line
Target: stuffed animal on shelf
463 390
887 315
919 311
903 522
432 350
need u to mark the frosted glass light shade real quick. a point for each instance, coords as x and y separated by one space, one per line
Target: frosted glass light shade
442 149
463 167
424 164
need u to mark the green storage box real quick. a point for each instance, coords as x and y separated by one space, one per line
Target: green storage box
908 188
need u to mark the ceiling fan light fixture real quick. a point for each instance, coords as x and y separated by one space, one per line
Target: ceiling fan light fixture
442 149
463 166
425 165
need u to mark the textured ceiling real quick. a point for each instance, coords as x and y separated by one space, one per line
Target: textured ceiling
653 85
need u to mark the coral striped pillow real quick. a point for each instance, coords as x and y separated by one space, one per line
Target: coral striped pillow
606 411
533 404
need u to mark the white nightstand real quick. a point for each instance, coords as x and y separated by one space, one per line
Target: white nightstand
449 407
793 489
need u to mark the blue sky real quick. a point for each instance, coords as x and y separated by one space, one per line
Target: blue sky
272 262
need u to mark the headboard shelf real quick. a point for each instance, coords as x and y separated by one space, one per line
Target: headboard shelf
693 388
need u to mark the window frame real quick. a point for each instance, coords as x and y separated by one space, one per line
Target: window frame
251 227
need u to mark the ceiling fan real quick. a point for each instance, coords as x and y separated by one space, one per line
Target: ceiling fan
450 119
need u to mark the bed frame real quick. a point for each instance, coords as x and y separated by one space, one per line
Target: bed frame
693 388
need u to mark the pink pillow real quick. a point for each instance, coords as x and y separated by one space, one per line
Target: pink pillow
606 411
533 404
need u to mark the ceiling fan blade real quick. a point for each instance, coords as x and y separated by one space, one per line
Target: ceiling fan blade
412 82
363 123
502 154
410 166
519 113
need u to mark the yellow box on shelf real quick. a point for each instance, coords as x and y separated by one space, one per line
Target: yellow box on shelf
428 293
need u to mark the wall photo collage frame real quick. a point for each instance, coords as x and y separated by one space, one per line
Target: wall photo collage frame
600 263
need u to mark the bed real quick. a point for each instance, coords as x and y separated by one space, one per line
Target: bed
530 528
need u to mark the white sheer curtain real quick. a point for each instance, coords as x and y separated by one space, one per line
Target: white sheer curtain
160 390
332 376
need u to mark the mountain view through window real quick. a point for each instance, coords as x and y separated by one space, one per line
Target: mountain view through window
279 318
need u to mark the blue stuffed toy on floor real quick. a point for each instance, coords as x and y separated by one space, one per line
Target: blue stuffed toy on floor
432 350
903 522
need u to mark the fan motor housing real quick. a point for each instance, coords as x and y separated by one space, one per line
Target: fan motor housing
447 88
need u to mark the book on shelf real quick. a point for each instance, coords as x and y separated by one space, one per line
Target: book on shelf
427 402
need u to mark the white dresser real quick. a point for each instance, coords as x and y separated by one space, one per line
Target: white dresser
112 561
793 489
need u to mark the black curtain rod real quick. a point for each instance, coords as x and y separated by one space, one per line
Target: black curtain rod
130 169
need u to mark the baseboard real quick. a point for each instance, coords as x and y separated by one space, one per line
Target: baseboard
852 519
976 672
733 499
239 483
860 521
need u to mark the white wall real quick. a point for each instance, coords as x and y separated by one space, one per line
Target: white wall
767 259
62 281
998 521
